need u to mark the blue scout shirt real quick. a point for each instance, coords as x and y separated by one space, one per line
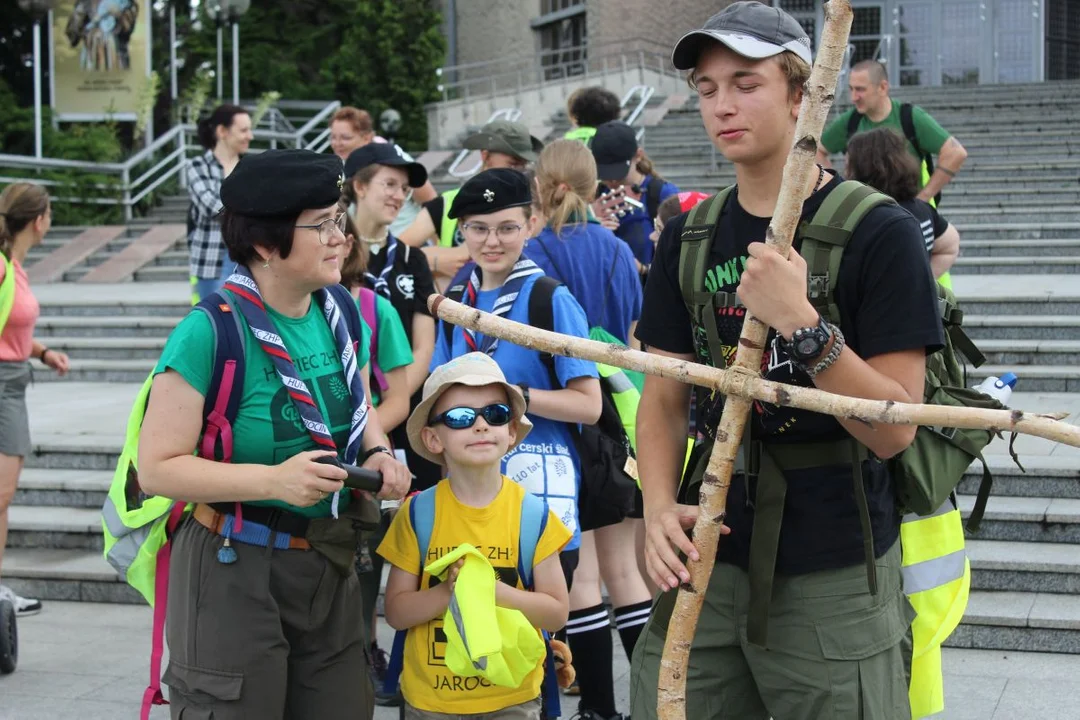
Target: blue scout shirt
546 464
635 227
597 268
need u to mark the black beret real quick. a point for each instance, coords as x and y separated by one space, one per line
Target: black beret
491 191
377 153
282 182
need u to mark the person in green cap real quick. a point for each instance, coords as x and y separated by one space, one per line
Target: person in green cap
502 144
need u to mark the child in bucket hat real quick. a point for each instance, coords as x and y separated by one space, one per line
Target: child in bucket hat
469 417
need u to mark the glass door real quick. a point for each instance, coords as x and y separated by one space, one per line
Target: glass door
962 47
1016 32
913 26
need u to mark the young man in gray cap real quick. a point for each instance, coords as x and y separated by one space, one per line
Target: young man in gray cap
804 616
502 144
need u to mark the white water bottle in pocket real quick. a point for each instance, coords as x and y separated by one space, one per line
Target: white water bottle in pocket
999 388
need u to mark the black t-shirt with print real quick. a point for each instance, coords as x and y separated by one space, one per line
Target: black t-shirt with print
410 284
931 224
885 292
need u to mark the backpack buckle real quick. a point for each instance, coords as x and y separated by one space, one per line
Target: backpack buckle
726 300
817 285
946 432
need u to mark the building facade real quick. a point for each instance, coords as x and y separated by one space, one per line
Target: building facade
922 42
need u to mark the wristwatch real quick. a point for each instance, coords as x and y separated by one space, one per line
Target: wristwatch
377 449
808 343
525 394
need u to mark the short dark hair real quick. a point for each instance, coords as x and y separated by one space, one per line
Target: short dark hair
594 106
875 69
669 208
880 159
241 233
221 115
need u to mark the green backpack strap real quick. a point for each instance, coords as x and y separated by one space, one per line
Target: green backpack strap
695 244
7 292
827 234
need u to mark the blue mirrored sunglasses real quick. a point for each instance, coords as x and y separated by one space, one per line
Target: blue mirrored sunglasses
460 418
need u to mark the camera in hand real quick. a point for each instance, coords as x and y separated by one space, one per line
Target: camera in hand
358 478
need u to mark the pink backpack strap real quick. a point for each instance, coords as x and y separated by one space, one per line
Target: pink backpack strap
367 311
152 696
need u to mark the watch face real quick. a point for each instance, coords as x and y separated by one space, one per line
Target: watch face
808 347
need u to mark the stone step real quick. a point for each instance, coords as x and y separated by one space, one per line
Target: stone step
131 326
128 308
970 247
100 370
39 526
163 273
1040 622
75 454
1032 352
1024 566
1021 327
63 488
110 348
1044 264
1027 519
1035 303
1014 230
674 148
56 574
1035 378
1048 476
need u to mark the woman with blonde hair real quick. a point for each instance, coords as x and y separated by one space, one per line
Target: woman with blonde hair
599 270
25 218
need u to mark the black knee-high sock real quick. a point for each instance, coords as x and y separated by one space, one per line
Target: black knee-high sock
589 633
629 621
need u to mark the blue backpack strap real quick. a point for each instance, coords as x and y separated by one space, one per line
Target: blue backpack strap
534 515
219 413
422 520
347 303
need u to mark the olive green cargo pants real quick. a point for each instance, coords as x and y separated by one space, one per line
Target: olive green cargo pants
277 634
835 652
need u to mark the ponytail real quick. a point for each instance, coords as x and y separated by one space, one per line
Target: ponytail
644 165
566 174
20 204
222 115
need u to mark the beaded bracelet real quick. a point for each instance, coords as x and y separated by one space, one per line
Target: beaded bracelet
834 353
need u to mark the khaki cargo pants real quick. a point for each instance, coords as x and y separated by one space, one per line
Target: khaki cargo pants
835 652
277 634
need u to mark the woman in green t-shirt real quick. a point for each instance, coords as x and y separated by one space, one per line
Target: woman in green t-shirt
264 612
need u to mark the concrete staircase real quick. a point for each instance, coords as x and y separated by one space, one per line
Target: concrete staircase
1017 206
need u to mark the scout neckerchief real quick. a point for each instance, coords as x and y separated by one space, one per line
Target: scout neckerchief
381 284
250 303
508 293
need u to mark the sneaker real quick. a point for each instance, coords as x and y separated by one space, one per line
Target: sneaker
380 662
24 607
575 690
590 715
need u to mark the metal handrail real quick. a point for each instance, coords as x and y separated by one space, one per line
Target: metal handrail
645 92
511 114
584 49
129 192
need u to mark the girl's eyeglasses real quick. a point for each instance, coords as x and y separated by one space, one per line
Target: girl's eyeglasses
460 418
326 227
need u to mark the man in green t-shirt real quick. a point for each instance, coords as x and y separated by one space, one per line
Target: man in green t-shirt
869 87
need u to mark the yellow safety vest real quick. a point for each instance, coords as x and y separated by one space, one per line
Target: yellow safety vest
7 292
448 227
626 397
582 134
937 581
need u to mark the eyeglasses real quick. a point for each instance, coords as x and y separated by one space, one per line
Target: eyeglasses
326 228
392 186
460 418
479 232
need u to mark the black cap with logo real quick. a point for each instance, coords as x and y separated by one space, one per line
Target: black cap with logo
282 182
613 147
377 153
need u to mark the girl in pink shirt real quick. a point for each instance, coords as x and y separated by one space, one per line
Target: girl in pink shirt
25 217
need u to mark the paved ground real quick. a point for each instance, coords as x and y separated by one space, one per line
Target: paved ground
89 662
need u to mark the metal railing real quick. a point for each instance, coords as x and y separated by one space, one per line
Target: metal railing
130 182
644 93
516 74
511 114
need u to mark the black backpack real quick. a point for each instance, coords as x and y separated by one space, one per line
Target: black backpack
907 123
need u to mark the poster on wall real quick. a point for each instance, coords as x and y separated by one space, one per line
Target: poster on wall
101 58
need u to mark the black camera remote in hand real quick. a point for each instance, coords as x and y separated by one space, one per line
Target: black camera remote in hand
358 478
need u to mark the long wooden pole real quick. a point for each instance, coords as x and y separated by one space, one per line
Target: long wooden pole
734 384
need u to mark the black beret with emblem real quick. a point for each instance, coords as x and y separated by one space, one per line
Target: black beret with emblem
282 182
491 191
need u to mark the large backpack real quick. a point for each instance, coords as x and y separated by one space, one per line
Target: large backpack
927 473
138 528
907 124
532 522
605 451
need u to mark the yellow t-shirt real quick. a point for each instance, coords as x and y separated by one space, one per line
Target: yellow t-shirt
426 682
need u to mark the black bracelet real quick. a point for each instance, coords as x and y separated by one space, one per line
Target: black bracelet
525 394
41 355
377 449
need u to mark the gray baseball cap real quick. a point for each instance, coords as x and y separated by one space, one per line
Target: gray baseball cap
511 138
751 29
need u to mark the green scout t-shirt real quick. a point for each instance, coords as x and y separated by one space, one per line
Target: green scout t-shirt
268 429
931 135
394 350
